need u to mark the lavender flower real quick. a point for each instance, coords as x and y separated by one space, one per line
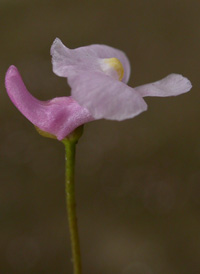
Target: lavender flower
98 77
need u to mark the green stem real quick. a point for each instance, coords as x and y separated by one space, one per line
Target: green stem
70 150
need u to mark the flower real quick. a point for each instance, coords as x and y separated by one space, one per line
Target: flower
98 76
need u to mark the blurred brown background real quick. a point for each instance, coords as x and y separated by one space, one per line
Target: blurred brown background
137 181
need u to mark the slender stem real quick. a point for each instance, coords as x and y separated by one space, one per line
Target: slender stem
70 150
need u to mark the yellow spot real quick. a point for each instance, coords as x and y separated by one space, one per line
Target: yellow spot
116 65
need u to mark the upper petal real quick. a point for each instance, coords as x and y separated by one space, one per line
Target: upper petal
172 85
105 97
66 61
59 116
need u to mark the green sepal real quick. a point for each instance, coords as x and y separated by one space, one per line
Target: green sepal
44 133
72 137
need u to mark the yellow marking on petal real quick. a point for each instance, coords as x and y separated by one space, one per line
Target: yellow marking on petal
116 65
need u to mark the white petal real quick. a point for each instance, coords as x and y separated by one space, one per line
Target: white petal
105 97
172 85
67 61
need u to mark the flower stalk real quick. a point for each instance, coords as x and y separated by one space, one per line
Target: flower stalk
70 151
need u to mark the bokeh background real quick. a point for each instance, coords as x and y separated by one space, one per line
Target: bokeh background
137 181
